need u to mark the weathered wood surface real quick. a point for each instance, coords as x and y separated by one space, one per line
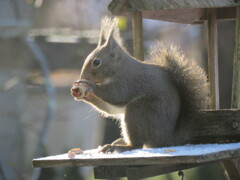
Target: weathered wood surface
189 154
137 29
153 5
233 166
216 126
213 57
236 66
175 11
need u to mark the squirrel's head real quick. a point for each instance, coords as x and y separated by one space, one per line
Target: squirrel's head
100 64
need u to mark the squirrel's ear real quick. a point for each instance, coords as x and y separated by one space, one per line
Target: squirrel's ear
104 38
109 31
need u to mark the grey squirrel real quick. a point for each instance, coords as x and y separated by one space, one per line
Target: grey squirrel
154 98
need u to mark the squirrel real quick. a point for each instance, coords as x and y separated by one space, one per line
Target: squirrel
152 99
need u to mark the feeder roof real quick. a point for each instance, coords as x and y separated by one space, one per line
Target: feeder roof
180 11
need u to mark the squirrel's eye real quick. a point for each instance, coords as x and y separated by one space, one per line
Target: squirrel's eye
96 62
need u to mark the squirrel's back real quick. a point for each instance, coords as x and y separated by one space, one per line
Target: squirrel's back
190 79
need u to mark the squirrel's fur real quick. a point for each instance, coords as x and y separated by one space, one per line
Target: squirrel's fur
154 95
189 77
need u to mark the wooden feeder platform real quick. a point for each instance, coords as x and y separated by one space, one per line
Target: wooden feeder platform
147 162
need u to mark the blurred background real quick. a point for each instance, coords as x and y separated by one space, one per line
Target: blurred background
42 47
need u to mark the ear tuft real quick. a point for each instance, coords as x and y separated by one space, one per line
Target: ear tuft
109 29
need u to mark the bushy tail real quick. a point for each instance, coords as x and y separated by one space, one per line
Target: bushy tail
190 79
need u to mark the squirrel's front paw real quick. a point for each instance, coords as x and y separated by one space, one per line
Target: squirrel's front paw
80 90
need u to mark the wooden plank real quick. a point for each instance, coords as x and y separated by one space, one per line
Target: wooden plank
215 126
123 6
150 5
137 28
233 166
107 172
187 16
213 58
236 66
228 13
189 154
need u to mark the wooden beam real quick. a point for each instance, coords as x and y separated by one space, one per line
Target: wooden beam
137 28
233 166
125 6
214 126
150 5
185 16
190 16
213 58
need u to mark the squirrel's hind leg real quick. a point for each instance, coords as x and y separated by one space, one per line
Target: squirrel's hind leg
111 148
119 141
118 145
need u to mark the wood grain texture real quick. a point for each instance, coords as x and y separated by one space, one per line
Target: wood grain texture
236 66
117 6
151 5
213 58
137 29
215 126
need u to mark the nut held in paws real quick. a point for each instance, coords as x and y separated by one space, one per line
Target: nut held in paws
79 90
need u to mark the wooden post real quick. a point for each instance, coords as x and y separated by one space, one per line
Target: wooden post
138 50
233 166
236 66
213 58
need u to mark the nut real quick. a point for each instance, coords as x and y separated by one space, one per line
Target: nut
73 152
79 90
